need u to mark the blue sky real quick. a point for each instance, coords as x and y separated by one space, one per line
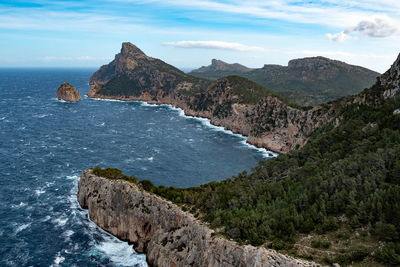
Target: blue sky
188 34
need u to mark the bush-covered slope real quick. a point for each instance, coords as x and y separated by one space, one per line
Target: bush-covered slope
307 81
335 200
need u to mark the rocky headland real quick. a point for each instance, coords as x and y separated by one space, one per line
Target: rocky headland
68 93
233 102
160 229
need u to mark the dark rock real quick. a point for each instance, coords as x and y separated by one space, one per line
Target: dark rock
68 93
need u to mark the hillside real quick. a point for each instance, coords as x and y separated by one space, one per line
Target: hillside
306 81
337 199
236 103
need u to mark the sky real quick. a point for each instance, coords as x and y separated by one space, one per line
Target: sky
189 33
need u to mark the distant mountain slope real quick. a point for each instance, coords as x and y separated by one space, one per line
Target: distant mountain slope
233 102
219 69
307 81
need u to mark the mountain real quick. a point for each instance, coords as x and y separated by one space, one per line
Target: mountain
233 102
306 81
132 73
335 200
219 69
333 197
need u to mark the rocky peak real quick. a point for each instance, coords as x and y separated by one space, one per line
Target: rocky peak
390 80
130 50
68 93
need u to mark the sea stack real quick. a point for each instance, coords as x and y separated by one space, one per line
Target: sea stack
68 93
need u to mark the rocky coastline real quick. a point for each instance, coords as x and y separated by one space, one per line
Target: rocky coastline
235 103
167 235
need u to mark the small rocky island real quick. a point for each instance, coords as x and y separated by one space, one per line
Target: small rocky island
68 93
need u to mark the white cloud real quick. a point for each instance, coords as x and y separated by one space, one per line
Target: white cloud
379 27
215 45
338 37
337 13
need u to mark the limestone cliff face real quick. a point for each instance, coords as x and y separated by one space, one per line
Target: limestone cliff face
166 234
68 93
391 80
234 103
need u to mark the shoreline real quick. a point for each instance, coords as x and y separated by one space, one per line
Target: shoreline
178 239
267 153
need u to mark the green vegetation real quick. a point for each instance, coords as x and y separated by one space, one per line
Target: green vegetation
114 174
346 180
250 92
306 86
335 200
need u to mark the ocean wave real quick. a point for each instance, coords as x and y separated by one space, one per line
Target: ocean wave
39 191
120 253
58 259
40 116
207 122
60 221
107 100
22 227
20 205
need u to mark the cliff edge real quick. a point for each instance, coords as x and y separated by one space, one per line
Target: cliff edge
166 234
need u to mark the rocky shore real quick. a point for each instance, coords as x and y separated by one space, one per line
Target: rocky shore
160 229
234 103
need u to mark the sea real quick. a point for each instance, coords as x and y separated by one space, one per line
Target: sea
45 144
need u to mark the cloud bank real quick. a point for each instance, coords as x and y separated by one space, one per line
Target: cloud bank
215 45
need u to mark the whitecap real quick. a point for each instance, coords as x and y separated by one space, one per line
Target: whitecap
60 221
107 100
120 253
40 116
21 204
72 177
22 227
39 192
46 218
150 158
145 104
59 259
68 233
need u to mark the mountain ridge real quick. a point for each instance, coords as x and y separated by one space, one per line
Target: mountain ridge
306 81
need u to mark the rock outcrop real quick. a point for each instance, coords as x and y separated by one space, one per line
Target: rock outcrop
391 80
166 234
233 102
68 93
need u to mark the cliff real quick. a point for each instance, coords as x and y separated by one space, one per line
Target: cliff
68 93
166 234
233 102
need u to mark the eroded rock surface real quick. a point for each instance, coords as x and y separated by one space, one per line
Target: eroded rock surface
166 234
68 93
